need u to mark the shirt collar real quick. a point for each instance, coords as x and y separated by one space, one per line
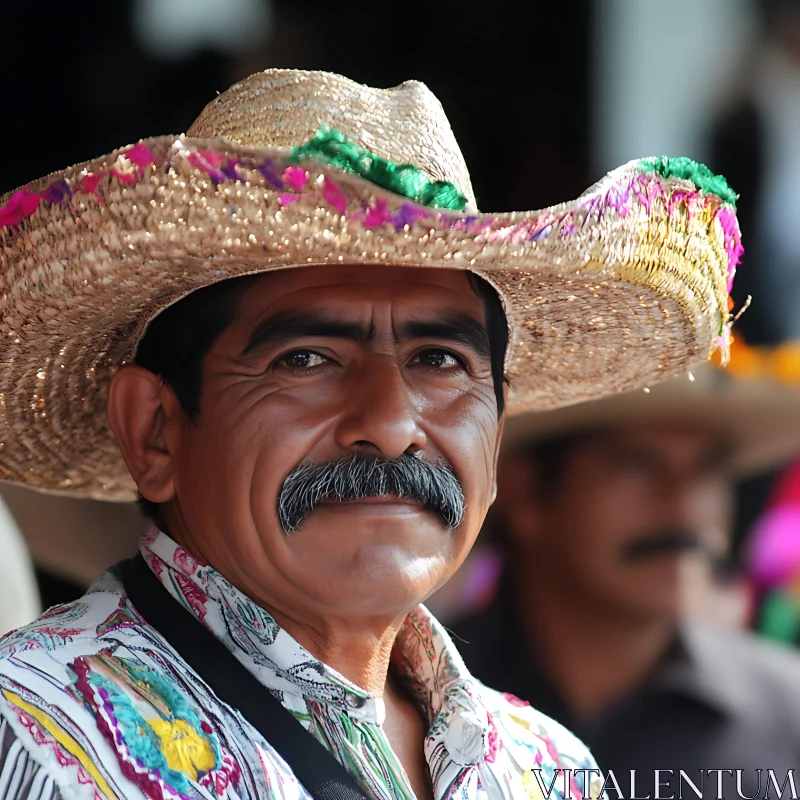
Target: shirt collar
423 657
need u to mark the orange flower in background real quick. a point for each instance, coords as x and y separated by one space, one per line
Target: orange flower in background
780 363
785 363
745 361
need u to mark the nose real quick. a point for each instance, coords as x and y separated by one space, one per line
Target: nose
380 417
685 504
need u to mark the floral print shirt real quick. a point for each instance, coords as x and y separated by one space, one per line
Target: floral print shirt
95 704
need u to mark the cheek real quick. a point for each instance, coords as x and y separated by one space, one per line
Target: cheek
467 437
292 435
238 458
591 524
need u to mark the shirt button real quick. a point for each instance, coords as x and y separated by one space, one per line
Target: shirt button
354 701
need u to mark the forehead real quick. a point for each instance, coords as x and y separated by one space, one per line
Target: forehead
343 287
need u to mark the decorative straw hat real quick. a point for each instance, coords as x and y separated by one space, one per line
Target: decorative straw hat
753 403
622 287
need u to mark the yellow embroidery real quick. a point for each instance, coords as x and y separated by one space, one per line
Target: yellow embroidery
531 786
520 720
596 789
184 748
65 740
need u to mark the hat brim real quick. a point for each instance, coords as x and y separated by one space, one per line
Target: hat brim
758 417
621 288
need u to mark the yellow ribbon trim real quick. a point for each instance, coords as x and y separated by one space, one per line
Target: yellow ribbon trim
65 740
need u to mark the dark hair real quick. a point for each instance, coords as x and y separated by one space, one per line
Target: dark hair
179 338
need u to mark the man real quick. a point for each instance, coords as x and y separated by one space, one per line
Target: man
316 446
613 516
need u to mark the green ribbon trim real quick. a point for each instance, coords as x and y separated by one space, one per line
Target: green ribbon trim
332 147
699 174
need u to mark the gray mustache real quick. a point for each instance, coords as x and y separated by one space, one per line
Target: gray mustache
433 484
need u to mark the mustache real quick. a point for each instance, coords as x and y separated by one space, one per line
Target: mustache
433 484
666 542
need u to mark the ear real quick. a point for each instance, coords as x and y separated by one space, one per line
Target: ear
138 409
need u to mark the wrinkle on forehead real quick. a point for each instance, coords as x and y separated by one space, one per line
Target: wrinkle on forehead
377 291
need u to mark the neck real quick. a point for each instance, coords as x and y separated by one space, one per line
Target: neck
357 649
592 656
357 646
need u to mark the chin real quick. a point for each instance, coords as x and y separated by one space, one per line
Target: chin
385 580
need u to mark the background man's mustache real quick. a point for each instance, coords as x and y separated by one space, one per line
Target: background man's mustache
662 543
432 484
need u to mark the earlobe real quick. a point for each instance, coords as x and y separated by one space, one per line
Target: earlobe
137 417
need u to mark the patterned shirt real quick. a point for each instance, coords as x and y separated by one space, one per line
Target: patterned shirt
94 703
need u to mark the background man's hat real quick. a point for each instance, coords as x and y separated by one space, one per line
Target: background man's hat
754 403
620 288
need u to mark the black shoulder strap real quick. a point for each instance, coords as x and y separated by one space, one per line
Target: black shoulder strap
316 769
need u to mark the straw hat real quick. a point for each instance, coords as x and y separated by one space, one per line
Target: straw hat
754 404
622 287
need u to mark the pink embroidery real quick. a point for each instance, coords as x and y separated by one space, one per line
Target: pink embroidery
733 241
125 177
205 159
155 565
379 215
296 177
494 741
619 199
88 184
185 561
21 205
140 155
193 594
515 701
675 199
334 195
227 774
208 161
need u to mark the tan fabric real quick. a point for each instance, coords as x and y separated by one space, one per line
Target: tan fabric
77 539
19 594
760 417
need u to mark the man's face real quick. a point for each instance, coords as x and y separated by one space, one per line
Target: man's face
320 364
616 526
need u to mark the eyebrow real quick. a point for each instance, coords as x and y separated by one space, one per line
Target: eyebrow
454 327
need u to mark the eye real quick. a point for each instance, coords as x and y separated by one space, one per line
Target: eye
439 359
301 359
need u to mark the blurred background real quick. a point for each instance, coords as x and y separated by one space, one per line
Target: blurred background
543 98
